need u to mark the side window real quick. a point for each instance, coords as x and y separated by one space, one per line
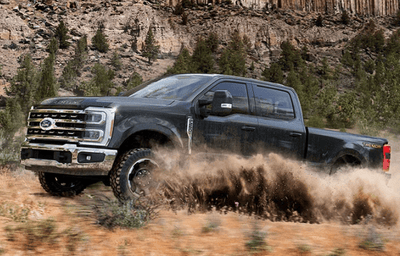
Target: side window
240 100
273 103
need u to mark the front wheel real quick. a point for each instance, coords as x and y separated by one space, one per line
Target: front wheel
62 185
131 177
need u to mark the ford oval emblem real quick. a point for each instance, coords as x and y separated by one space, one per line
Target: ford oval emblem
47 124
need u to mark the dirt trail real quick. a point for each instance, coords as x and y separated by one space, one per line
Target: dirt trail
275 190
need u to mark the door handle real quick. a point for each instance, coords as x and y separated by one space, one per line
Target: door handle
295 134
248 128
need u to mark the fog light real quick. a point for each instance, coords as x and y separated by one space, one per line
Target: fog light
92 135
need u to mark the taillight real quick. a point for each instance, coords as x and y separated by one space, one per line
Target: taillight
386 157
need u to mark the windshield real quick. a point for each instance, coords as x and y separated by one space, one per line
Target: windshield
173 87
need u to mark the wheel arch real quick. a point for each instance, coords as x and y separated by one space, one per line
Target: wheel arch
149 138
345 157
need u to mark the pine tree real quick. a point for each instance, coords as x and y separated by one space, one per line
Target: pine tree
183 63
212 42
290 57
135 80
47 82
150 47
99 41
101 83
24 84
202 59
233 58
12 117
53 46
81 51
74 66
273 74
61 34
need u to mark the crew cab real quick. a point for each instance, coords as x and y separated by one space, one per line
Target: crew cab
72 142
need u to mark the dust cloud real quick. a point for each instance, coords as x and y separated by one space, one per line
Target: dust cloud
278 189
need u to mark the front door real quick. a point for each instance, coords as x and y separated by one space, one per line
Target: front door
233 133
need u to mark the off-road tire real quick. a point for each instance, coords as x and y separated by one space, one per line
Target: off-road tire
133 165
62 185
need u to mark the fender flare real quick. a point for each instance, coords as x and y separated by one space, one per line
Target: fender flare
172 134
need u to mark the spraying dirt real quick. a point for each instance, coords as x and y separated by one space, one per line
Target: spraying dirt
279 189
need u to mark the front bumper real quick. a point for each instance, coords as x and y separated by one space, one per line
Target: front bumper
68 159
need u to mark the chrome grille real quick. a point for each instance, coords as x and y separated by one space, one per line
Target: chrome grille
67 124
92 126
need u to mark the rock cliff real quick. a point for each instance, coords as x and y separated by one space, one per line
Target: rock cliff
356 7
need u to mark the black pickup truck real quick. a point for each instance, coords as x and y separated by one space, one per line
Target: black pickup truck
72 142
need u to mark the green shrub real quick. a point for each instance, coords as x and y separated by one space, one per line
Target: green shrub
338 252
315 121
73 237
11 146
131 214
14 212
304 248
116 61
34 233
372 241
256 239
212 224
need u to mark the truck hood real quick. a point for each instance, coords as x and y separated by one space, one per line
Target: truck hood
109 102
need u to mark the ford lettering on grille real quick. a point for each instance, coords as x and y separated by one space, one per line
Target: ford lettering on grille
47 124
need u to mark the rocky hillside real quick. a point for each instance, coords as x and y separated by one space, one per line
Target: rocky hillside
27 26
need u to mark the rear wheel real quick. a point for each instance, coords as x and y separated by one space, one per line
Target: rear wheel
62 185
131 177
344 163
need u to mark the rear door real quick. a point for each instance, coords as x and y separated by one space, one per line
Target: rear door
232 133
279 129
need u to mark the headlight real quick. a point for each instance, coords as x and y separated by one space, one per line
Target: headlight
98 126
95 118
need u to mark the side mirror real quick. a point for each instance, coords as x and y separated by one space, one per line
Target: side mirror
221 103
